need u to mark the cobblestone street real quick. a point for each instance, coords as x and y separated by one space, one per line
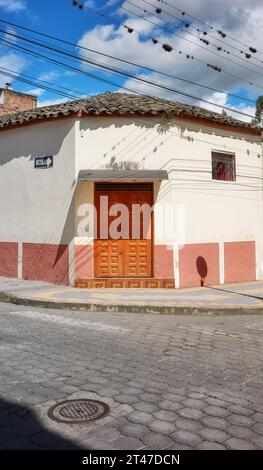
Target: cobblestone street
171 382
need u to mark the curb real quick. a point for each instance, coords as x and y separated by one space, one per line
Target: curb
158 309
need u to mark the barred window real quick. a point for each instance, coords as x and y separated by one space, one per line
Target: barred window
223 166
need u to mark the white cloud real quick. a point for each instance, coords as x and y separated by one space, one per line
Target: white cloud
242 19
35 92
12 62
221 99
13 6
90 4
53 102
10 37
49 76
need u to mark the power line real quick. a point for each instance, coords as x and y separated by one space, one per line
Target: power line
68 67
32 81
185 39
222 33
71 90
74 69
119 59
126 74
206 33
188 56
142 121
12 74
133 63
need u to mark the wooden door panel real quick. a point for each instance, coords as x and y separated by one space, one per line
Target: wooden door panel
138 258
124 257
108 260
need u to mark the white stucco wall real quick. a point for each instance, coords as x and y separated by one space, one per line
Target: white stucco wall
214 211
36 204
39 206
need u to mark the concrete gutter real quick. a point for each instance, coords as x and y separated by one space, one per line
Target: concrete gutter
125 308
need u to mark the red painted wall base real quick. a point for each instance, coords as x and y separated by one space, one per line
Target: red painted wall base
84 261
240 261
163 262
8 259
198 263
43 262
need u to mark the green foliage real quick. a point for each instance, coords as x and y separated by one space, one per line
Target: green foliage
259 109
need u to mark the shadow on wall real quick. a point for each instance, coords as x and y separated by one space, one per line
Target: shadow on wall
20 429
41 141
202 269
237 292
50 262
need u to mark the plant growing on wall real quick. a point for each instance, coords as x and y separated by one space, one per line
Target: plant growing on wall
121 165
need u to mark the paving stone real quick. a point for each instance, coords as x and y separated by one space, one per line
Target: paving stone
166 416
153 441
176 406
162 427
258 417
152 390
144 406
91 443
172 397
166 404
194 403
208 445
258 428
175 446
188 425
216 401
241 432
240 420
140 417
216 411
129 399
239 444
149 397
108 392
131 391
107 434
133 429
127 443
258 441
215 423
239 410
239 401
186 437
210 434
196 395
190 413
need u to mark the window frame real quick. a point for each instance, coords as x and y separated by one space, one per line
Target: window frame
219 153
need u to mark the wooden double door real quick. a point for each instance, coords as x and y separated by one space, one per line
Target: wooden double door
130 255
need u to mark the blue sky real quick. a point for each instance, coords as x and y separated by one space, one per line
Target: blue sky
61 19
107 34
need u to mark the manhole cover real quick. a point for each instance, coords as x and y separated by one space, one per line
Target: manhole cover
78 411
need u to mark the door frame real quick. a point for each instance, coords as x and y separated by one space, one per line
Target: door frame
151 183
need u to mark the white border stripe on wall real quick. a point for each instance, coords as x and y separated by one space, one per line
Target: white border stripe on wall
176 266
221 263
71 254
20 261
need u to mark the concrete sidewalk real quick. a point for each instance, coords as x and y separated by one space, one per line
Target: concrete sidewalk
227 299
